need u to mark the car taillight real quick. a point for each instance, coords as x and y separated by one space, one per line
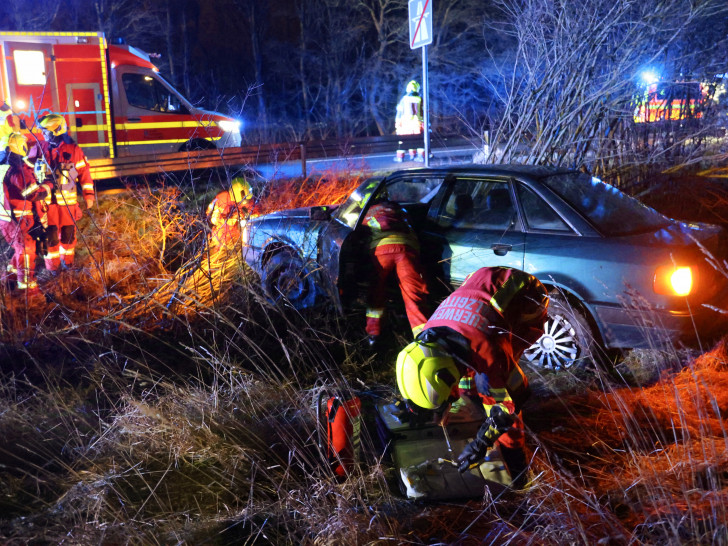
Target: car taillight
672 280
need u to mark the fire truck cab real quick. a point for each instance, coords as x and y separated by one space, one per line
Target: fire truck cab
113 97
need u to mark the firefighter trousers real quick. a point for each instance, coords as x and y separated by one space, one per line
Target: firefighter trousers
406 265
61 235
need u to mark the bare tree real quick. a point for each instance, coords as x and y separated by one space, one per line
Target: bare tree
570 87
383 71
31 16
128 19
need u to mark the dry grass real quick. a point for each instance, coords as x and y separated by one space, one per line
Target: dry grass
125 419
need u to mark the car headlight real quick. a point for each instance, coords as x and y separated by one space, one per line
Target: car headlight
229 125
671 280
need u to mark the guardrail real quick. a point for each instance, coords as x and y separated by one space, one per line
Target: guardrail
264 153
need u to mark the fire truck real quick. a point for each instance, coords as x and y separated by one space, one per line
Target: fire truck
669 101
116 103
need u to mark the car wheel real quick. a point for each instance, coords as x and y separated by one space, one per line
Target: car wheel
197 144
568 340
286 278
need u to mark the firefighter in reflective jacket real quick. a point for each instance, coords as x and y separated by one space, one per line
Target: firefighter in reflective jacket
469 352
229 212
409 121
394 248
8 125
65 166
21 190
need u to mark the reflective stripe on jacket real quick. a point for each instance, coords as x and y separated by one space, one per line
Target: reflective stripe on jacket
70 167
388 225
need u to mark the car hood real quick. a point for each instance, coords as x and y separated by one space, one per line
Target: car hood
302 212
292 228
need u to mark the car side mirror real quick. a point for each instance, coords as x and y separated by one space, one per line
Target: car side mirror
320 213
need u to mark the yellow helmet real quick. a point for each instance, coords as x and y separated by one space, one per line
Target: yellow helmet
426 374
240 190
18 144
55 123
413 87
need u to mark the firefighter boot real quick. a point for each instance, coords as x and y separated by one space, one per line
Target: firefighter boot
515 460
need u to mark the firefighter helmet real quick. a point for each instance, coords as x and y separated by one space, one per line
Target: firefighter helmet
413 87
426 374
240 190
18 144
54 123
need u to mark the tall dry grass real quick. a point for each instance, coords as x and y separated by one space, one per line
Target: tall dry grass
169 427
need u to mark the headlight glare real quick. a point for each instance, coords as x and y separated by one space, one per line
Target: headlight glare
229 125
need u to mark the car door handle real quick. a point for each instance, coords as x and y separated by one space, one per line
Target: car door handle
501 249
134 119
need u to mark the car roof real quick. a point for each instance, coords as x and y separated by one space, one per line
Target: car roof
535 171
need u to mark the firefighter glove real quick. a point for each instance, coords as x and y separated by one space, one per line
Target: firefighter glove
474 452
499 421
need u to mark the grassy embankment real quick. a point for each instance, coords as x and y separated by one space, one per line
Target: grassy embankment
125 418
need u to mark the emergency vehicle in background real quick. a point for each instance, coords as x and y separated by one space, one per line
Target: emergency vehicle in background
669 101
112 96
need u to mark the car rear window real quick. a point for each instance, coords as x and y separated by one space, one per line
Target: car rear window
610 210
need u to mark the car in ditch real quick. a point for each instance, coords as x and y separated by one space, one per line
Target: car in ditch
620 274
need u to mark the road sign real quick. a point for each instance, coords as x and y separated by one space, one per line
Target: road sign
420 23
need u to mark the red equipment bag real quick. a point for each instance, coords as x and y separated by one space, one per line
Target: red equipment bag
343 426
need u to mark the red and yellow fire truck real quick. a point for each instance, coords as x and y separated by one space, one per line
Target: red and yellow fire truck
669 101
115 101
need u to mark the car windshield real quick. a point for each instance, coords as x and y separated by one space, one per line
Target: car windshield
610 210
348 212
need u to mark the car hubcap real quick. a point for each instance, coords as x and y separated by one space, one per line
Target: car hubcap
557 348
290 285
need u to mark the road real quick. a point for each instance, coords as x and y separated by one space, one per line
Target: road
371 163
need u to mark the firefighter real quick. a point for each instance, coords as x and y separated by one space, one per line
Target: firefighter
8 125
66 166
409 121
228 213
469 351
21 190
394 248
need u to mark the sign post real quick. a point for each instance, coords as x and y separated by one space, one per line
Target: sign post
420 27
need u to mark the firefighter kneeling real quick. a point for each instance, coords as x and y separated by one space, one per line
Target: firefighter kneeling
468 354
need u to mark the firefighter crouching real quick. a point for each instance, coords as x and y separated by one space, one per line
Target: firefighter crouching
467 357
228 214
21 191
66 166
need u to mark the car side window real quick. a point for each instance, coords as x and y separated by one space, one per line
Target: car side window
537 212
479 204
413 190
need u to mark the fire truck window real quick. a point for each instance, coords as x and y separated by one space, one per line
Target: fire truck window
29 67
145 92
